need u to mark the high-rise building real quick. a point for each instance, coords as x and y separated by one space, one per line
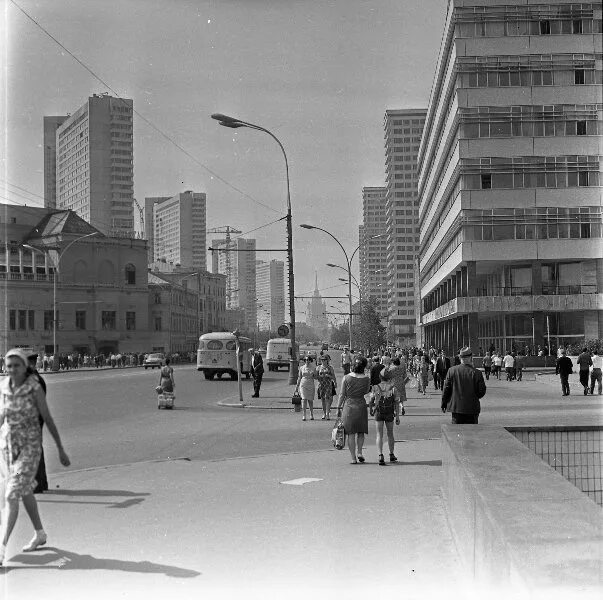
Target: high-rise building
316 312
511 253
403 129
235 258
149 223
372 237
270 289
94 164
51 124
177 229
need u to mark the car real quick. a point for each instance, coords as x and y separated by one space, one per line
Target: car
155 359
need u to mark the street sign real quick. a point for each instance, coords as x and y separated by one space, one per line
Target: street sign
283 331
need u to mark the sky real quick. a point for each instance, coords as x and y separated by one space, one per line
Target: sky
319 74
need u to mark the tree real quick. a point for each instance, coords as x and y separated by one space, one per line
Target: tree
340 334
368 332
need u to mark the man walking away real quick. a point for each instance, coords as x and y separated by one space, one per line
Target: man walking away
346 361
564 368
595 376
257 372
509 361
487 364
41 477
463 387
441 370
376 368
585 361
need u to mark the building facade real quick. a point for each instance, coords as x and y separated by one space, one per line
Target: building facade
236 259
403 129
373 249
176 231
51 124
511 254
270 289
97 283
94 164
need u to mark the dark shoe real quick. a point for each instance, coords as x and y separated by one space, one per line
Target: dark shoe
392 458
381 460
255 395
360 458
403 411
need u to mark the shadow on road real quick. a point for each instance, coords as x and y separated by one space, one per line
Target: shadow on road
134 498
67 561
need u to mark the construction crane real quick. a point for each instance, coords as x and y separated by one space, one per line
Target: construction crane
141 213
227 230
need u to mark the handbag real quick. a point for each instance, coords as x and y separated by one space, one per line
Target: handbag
338 435
296 399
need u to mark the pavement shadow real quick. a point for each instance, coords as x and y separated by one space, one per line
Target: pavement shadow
71 561
422 463
133 498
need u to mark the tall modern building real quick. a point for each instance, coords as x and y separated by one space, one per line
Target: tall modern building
176 229
403 129
270 289
149 222
235 258
94 164
316 312
373 249
511 254
51 124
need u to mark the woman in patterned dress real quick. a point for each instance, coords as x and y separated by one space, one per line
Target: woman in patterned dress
305 386
22 402
326 384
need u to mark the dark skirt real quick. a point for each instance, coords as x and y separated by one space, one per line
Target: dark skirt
355 416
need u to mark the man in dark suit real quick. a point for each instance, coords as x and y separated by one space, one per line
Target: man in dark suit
257 372
463 387
441 370
41 478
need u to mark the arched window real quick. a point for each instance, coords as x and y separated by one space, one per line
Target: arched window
130 272
80 271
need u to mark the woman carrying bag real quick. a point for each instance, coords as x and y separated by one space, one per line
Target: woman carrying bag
326 386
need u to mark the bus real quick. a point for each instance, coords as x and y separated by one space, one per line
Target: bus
278 353
216 355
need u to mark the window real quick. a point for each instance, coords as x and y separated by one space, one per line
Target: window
486 181
22 319
214 345
157 297
157 323
31 318
577 26
48 319
545 27
108 319
130 320
80 319
130 272
579 77
12 320
580 127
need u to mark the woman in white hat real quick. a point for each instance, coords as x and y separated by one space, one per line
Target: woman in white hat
22 402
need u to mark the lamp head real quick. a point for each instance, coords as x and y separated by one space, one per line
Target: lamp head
306 226
224 118
332 265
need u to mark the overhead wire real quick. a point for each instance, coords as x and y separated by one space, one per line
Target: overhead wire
138 114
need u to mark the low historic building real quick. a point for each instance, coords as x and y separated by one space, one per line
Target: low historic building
53 259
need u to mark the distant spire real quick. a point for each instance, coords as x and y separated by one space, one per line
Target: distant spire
316 281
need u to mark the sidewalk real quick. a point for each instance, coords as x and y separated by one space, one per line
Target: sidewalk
245 527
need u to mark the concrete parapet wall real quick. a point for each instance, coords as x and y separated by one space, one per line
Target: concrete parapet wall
519 526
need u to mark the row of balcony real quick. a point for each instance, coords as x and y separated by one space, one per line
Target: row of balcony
547 290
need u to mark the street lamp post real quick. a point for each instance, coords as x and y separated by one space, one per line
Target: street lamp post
234 123
55 266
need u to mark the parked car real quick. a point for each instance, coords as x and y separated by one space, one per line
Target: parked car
155 359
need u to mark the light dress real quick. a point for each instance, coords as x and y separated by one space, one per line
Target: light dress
20 439
355 413
305 382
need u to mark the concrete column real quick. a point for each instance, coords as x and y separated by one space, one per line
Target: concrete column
537 278
463 282
599 269
472 332
539 329
471 278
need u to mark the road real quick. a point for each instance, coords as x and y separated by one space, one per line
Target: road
110 417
